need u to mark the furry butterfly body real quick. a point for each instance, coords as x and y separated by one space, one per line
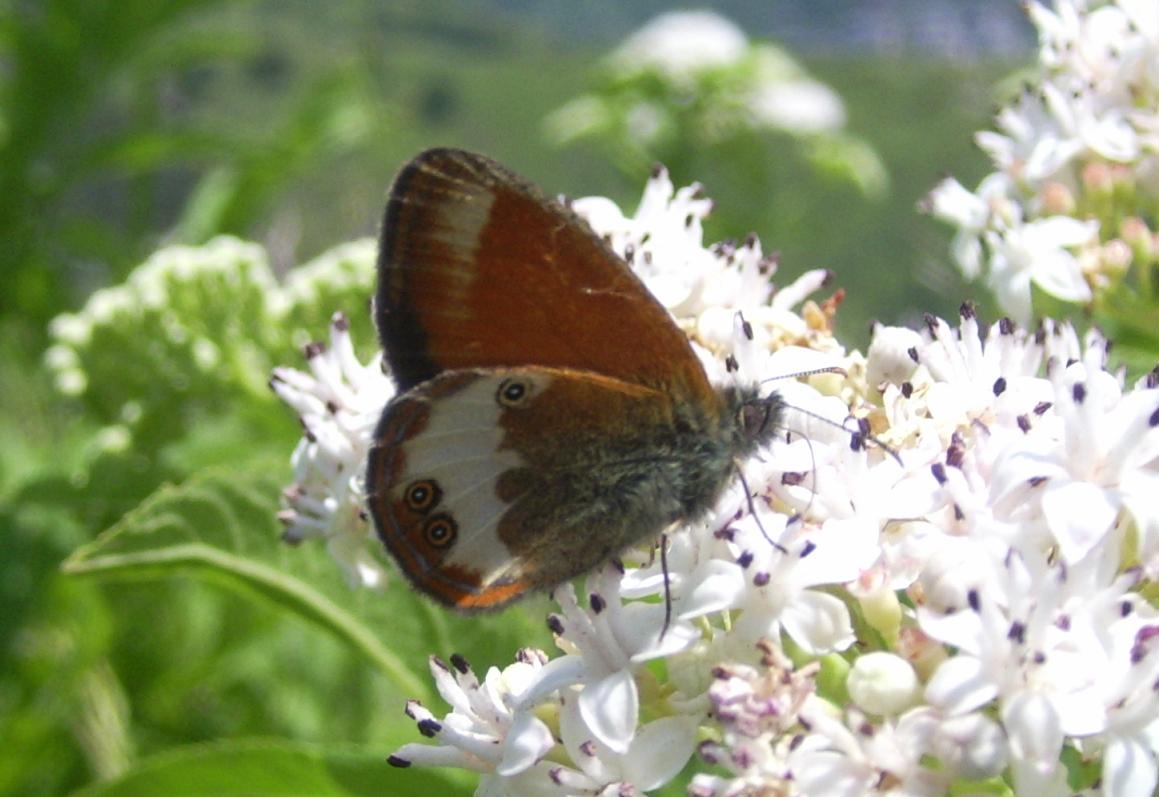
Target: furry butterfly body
550 413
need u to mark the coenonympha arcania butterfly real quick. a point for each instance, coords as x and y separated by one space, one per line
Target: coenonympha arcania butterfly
550 413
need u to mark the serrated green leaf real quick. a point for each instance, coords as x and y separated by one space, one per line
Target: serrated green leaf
271 768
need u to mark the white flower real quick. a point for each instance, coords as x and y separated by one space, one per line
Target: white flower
606 643
656 754
485 731
984 578
1102 460
800 105
1093 109
663 243
857 757
338 402
972 214
680 44
1040 252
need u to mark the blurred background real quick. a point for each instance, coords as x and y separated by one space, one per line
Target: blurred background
128 125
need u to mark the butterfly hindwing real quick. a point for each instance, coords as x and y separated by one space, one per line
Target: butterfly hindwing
486 483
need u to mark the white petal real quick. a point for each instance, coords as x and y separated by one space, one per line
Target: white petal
1034 730
638 627
950 201
435 755
528 740
610 707
818 622
960 685
1058 274
601 213
846 547
719 585
1059 231
1012 289
1079 515
833 775
556 674
449 688
973 746
1129 769
659 751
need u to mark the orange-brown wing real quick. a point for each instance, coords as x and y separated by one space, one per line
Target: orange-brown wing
487 484
478 269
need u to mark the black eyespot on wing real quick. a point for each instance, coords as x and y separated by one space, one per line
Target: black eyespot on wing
440 531
513 393
423 495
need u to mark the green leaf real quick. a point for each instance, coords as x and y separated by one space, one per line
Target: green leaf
272 768
221 525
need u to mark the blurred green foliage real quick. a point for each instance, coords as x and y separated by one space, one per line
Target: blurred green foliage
128 124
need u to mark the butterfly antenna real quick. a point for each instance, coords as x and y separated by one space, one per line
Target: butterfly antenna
667 586
861 436
830 369
748 494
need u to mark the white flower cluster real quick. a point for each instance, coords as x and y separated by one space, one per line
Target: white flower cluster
688 82
338 402
682 46
1075 157
946 589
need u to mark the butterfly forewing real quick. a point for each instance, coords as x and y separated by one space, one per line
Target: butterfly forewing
479 269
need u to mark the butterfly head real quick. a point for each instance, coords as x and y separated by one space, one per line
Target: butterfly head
757 417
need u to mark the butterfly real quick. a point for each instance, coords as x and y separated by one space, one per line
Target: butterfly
550 413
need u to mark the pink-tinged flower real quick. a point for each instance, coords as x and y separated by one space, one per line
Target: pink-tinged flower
1092 109
756 708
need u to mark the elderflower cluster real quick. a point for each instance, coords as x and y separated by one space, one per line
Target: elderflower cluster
1071 204
940 579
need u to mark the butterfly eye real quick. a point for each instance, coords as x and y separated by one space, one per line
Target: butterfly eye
422 495
440 531
513 393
